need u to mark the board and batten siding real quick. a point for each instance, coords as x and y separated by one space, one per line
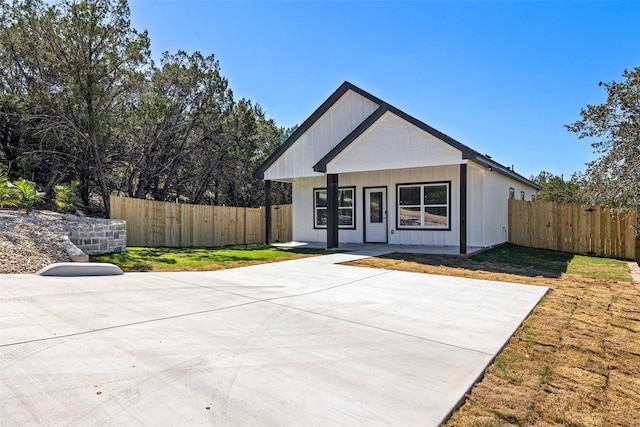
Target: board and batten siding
393 143
303 215
475 205
487 203
338 122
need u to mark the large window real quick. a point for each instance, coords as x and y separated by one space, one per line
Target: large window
346 208
424 206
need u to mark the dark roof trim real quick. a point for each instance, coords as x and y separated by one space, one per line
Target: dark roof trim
467 153
314 117
321 166
503 170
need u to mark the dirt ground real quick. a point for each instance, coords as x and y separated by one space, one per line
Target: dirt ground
575 361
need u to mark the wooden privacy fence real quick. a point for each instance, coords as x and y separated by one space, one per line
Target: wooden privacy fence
584 229
164 224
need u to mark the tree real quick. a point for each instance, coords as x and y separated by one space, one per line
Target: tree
191 141
556 189
80 100
73 69
614 178
178 123
285 133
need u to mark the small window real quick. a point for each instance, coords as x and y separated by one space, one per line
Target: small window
423 206
346 206
522 195
533 197
512 193
375 207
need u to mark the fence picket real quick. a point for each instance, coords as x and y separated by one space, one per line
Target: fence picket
593 230
156 224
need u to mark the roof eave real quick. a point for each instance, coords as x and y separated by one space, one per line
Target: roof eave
319 112
497 167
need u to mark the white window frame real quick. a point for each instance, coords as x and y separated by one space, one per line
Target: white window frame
423 206
343 208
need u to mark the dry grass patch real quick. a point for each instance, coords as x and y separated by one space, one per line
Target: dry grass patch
575 361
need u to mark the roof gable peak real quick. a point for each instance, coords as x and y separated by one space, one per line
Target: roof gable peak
467 152
311 120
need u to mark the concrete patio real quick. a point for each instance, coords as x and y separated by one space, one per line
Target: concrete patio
304 342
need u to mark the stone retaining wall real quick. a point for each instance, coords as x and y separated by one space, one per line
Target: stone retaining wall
102 238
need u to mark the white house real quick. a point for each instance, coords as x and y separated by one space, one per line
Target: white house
363 171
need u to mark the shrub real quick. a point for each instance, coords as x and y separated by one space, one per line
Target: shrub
27 194
67 198
8 193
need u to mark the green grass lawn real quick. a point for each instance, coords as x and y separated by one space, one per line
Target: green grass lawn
551 263
602 268
137 259
554 264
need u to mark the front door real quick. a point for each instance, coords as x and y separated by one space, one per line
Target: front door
375 215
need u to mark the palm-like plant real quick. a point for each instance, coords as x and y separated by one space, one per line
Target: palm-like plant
8 193
67 198
27 194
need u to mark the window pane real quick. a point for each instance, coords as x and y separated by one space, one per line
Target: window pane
345 217
409 196
321 198
321 217
435 217
345 198
375 207
435 194
512 193
410 216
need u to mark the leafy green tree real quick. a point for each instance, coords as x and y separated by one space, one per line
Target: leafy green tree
191 141
27 194
285 133
614 178
80 100
252 138
74 68
66 198
556 189
178 124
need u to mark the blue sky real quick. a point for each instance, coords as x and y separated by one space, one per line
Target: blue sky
502 77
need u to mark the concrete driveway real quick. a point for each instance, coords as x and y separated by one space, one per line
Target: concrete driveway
304 342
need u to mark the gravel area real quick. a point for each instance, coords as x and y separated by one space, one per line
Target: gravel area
30 242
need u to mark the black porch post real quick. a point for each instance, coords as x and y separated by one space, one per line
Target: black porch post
463 209
267 211
332 211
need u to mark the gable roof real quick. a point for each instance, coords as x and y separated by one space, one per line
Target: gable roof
383 107
326 105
